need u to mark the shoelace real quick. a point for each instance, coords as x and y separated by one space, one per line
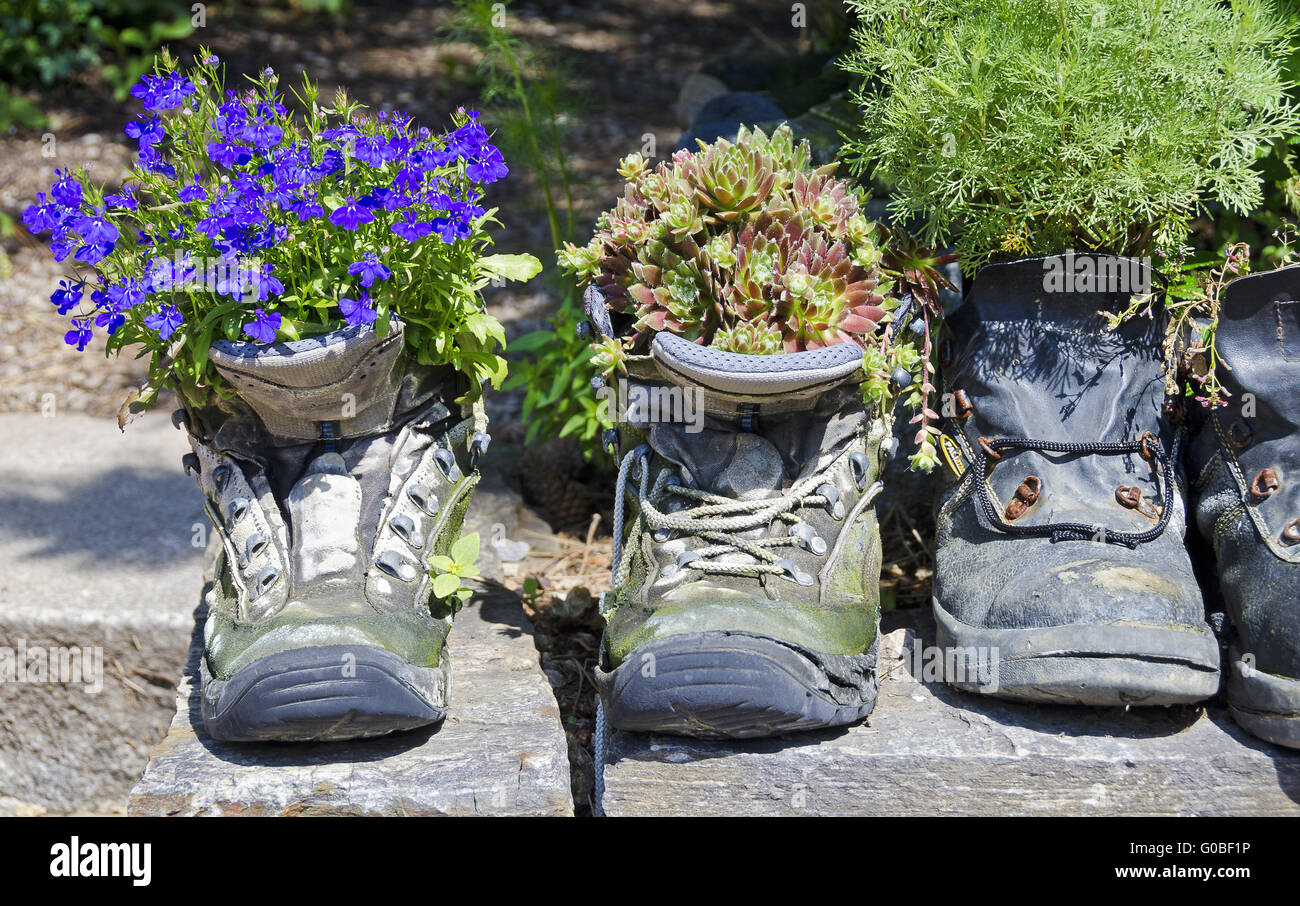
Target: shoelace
715 518
1076 531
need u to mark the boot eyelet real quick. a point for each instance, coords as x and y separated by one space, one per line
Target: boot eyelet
1130 497
861 466
1025 497
237 508
1291 531
221 477
445 460
397 566
793 573
422 498
405 528
1265 483
964 407
1240 435
833 502
265 579
255 545
1173 411
986 444
888 447
808 539
190 463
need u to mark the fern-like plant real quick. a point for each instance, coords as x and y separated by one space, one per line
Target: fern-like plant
1014 127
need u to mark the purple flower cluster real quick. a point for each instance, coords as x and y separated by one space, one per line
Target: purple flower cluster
263 179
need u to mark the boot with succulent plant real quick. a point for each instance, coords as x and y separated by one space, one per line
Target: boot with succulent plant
743 307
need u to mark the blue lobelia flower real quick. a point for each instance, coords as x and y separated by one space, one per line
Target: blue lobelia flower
411 228
110 318
67 296
66 190
147 131
306 207
228 154
126 296
372 150
162 92
154 162
165 321
93 254
96 229
358 311
263 326
265 284
80 334
193 192
125 200
351 214
41 216
61 247
449 229
262 135
370 268
488 167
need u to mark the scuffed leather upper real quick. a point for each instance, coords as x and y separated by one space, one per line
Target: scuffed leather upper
322 548
811 429
1023 362
1259 429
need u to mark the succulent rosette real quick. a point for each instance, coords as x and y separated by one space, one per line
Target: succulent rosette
241 219
744 246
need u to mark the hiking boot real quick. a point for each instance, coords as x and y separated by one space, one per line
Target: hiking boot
332 477
1060 570
745 600
1245 459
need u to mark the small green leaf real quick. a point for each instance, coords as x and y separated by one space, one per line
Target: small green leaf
445 585
513 267
465 550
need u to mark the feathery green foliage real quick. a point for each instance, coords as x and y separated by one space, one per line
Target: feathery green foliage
1015 127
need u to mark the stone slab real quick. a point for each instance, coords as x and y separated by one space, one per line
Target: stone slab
931 750
501 750
101 546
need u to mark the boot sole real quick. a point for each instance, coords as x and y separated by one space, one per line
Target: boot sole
1103 666
717 685
1264 704
325 693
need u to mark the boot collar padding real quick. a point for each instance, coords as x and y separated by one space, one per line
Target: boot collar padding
348 376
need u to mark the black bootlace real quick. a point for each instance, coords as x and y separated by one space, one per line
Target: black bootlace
1148 446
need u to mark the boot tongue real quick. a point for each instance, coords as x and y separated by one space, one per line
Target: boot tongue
756 412
349 377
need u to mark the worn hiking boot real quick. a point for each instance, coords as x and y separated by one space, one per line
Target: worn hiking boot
1060 570
1245 460
331 479
745 599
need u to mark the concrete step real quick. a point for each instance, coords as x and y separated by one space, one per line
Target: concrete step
931 750
101 544
501 750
